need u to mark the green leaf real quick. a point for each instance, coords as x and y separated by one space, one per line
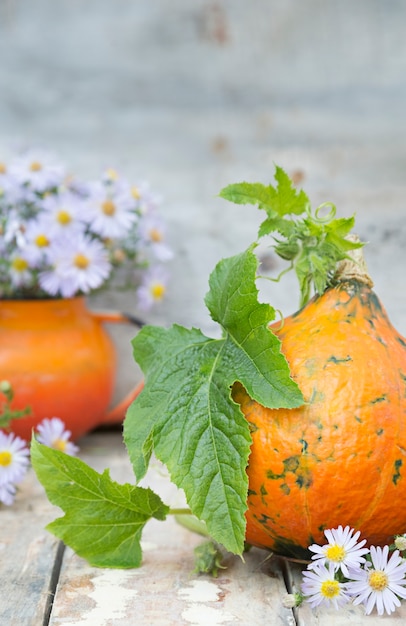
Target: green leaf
253 352
186 411
284 227
281 200
287 199
249 193
341 227
103 520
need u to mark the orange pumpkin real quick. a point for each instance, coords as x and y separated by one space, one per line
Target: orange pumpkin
341 457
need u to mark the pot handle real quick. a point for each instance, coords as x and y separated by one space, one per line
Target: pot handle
117 413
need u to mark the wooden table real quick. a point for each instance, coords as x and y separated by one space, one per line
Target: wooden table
43 583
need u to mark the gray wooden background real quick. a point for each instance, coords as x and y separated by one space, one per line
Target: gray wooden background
196 94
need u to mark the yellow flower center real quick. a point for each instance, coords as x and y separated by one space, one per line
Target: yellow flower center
59 444
158 291
135 193
119 255
63 217
335 553
3 168
5 458
378 580
19 264
330 588
81 261
112 174
108 207
35 166
155 235
41 241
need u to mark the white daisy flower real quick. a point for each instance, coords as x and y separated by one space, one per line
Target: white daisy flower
321 587
110 213
380 584
14 230
52 433
153 287
342 551
152 232
55 283
64 213
16 194
7 493
80 264
38 241
6 183
146 199
20 270
14 458
38 170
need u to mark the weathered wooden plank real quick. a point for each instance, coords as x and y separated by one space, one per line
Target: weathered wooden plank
29 557
164 591
350 614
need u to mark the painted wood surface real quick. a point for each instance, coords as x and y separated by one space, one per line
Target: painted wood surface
164 591
29 558
43 584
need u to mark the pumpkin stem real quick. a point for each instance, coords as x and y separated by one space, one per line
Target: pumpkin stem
353 267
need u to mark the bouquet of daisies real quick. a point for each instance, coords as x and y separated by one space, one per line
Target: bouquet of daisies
61 237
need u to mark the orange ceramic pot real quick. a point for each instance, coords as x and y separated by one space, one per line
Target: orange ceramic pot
61 362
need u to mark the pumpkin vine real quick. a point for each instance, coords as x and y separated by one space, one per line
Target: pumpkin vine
311 241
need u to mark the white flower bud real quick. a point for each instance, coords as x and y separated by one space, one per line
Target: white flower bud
400 542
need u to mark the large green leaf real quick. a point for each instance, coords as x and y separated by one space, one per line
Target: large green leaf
103 520
186 413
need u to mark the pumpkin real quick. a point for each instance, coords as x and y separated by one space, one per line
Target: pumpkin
341 457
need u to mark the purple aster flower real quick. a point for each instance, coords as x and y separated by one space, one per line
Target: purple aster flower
380 584
64 213
14 458
38 170
342 550
153 287
20 271
152 232
110 213
52 433
321 587
38 241
7 493
79 264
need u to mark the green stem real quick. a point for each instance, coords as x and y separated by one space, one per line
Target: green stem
191 522
277 279
180 512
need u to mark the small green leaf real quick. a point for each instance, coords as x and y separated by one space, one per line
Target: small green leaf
208 558
185 410
103 520
284 227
